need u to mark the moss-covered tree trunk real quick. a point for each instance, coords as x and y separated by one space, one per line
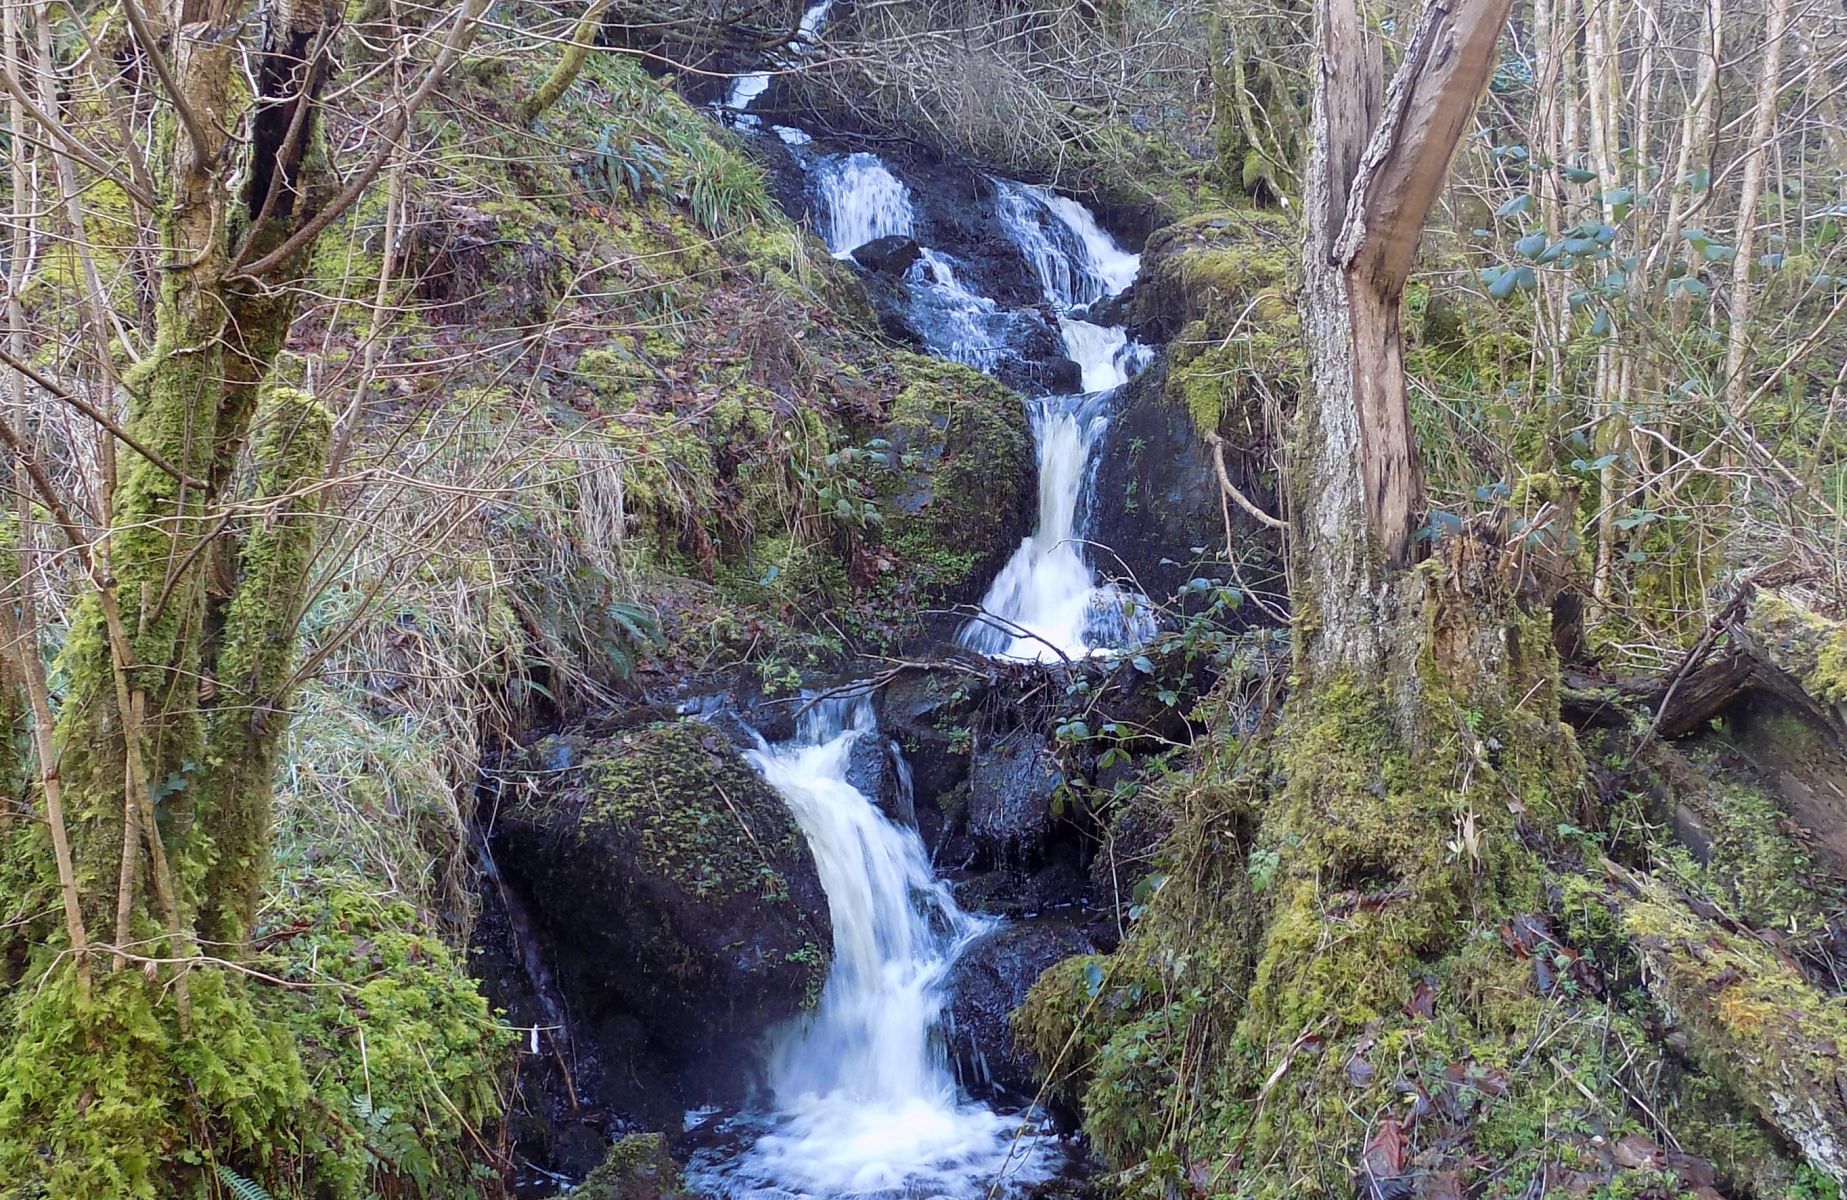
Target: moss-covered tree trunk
179 656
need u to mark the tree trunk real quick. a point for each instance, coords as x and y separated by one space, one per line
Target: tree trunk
1375 170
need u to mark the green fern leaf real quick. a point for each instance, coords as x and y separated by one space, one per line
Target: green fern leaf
241 1187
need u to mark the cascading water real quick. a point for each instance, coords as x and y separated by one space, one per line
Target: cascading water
861 201
861 1097
864 1101
746 89
1046 604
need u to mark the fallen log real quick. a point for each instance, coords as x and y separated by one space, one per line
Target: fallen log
1749 1016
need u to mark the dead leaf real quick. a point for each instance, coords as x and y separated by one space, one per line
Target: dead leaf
1384 1153
1423 1002
1638 1152
1360 1073
1440 1185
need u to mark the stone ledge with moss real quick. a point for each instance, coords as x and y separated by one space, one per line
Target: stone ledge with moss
957 494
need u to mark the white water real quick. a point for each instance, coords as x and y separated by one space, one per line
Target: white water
745 89
1046 603
1077 262
861 201
863 1096
960 324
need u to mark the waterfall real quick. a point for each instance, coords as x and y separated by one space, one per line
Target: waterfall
745 89
864 1100
1077 262
956 323
861 201
1045 604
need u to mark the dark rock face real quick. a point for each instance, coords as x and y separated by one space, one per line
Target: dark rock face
986 984
923 714
1156 497
873 771
1011 782
676 898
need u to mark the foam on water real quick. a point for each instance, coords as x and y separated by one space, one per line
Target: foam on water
860 200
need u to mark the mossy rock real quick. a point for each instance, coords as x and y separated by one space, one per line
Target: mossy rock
960 490
675 891
1215 266
637 1168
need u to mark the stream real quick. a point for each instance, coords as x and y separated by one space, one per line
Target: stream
860 1098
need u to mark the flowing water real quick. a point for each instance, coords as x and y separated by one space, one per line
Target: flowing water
860 200
746 89
1046 603
861 1100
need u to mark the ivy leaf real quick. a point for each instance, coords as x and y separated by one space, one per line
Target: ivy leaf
1531 244
1578 174
1515 206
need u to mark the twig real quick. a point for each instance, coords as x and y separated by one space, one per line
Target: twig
1231 489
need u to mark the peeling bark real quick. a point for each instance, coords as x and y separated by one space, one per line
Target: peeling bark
1378 163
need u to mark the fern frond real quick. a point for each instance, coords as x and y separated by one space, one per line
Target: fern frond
242 1187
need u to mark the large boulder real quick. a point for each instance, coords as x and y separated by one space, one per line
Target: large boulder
888 255
1212 267
674 894
989 981
957 491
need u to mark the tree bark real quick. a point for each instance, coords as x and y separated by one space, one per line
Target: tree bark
1376 168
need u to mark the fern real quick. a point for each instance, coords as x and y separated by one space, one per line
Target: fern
242 1187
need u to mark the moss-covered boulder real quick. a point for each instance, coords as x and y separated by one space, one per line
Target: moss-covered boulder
959 488
1213 267
677 899
638 1168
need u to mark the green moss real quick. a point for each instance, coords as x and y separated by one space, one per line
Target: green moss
1232 268
958 477
1223 382
1809 646
678 793
637 1168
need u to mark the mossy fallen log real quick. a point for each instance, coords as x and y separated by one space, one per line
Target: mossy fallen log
1750 1017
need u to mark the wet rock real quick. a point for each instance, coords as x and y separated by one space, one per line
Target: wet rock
1059 885
891 256
1161 514
927 715
874 772
986 984
1011 784
673 893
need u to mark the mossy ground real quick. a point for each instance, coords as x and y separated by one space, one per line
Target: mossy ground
1373 957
